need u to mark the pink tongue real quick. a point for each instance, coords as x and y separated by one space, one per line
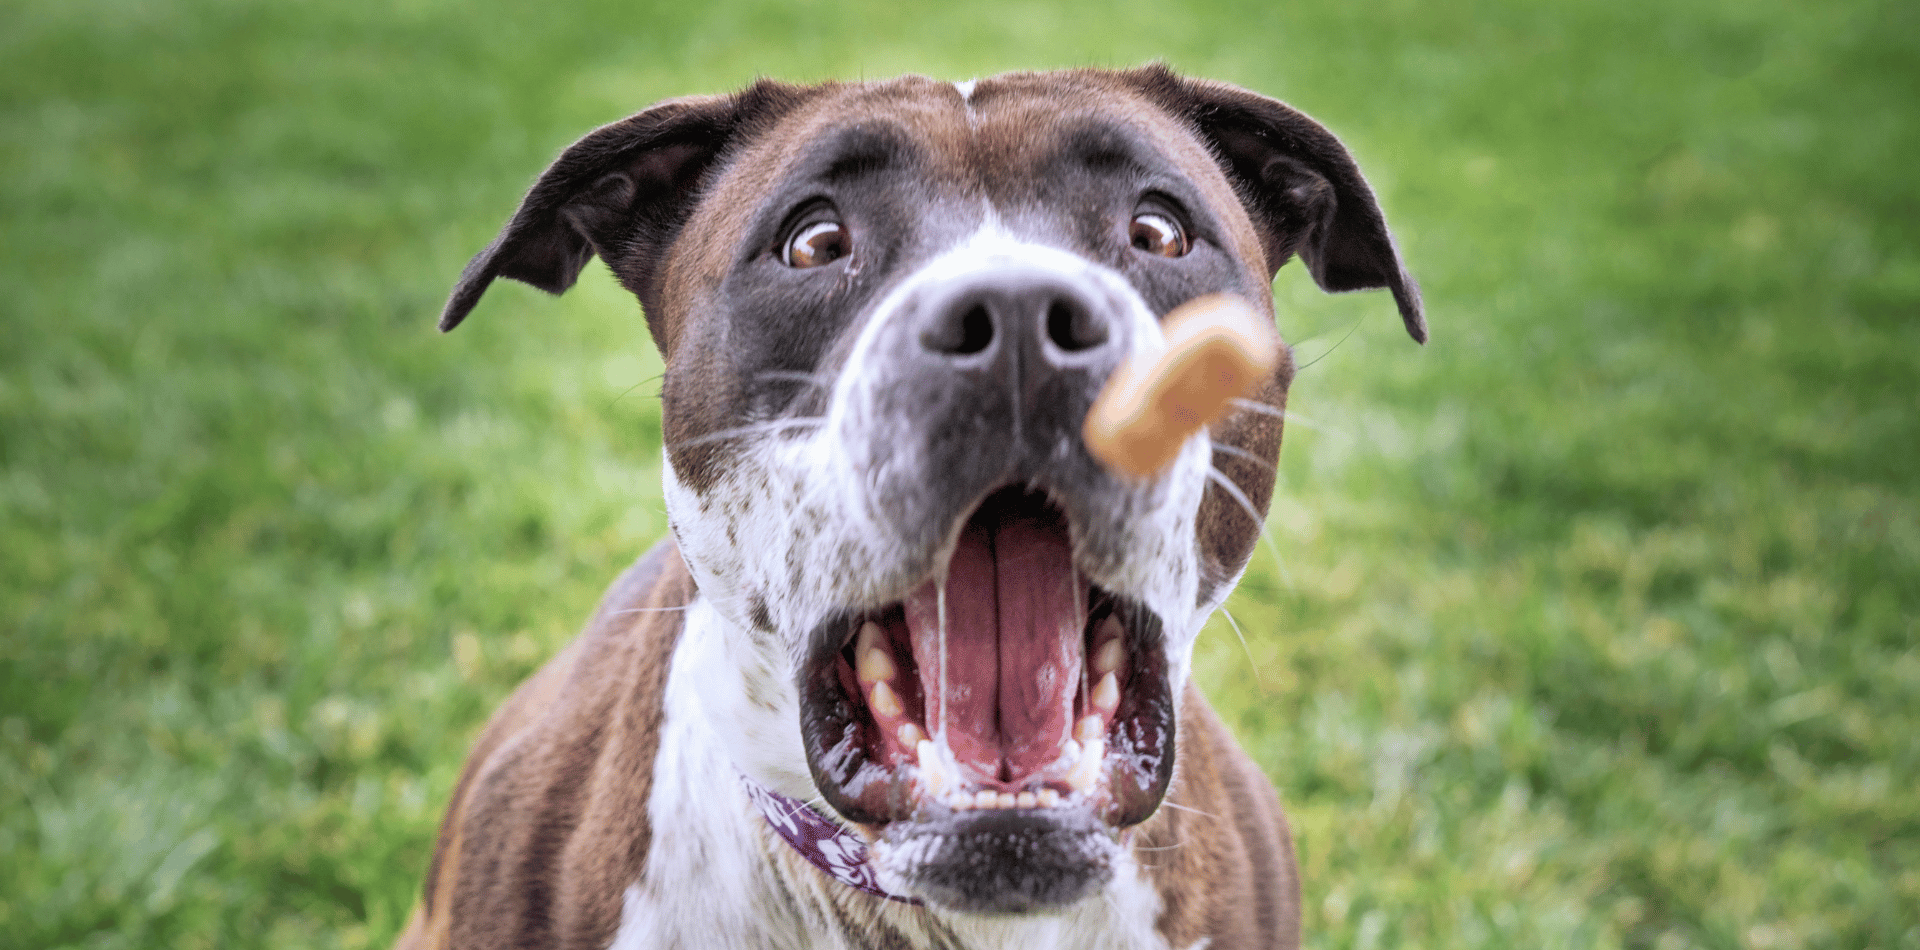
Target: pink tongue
1014 622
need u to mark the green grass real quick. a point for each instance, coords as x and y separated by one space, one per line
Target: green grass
1592 624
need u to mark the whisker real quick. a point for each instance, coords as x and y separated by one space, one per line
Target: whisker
1164 847
1227 485
800 806
1185 808
774 425
1284 414
1286 576
1251 662
1240 453
1233 491
792 376
1330 349
1259 407
629 390
733 599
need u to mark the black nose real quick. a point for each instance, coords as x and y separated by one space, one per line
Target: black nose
1047 316
979 375
996 364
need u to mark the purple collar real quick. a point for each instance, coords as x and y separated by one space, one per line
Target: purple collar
839 853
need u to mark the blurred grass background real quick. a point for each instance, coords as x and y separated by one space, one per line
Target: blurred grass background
1592 624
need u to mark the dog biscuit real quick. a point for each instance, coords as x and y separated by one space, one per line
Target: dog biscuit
1219 348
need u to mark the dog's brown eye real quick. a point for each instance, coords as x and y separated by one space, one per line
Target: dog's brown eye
1157 234
817 244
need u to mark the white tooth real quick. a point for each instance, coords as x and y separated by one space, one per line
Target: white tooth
1026 800
884 701
1090 728
872 662
1049 798
911 737
1008 800
960 801
875 666
1093 750
985 799
1087 769
1106 695
933 772
1107 658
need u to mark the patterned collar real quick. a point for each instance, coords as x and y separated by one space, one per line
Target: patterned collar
839 853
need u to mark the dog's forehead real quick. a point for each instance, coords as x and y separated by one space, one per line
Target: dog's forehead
991 140
981 133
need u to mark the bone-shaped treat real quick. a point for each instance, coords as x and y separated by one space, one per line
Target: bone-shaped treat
1219 348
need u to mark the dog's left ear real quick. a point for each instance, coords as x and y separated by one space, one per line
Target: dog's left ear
1301 187
622 192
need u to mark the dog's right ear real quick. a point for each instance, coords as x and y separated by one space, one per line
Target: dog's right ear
622 192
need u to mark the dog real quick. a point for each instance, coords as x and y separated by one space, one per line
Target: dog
912 670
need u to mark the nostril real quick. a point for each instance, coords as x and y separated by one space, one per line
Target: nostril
976 330
1072 328
969 334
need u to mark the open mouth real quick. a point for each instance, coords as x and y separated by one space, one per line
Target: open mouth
1007 685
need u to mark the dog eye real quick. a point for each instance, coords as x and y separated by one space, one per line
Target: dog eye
1157 234
816 244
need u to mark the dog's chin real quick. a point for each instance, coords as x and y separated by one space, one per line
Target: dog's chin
998 862
997 729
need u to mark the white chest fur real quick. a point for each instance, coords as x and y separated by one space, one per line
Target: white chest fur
712 879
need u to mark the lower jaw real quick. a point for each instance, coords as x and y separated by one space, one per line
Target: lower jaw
1000 862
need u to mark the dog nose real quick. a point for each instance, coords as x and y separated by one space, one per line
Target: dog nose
1031 315
997 360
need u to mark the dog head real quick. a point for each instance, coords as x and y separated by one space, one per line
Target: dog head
885 309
